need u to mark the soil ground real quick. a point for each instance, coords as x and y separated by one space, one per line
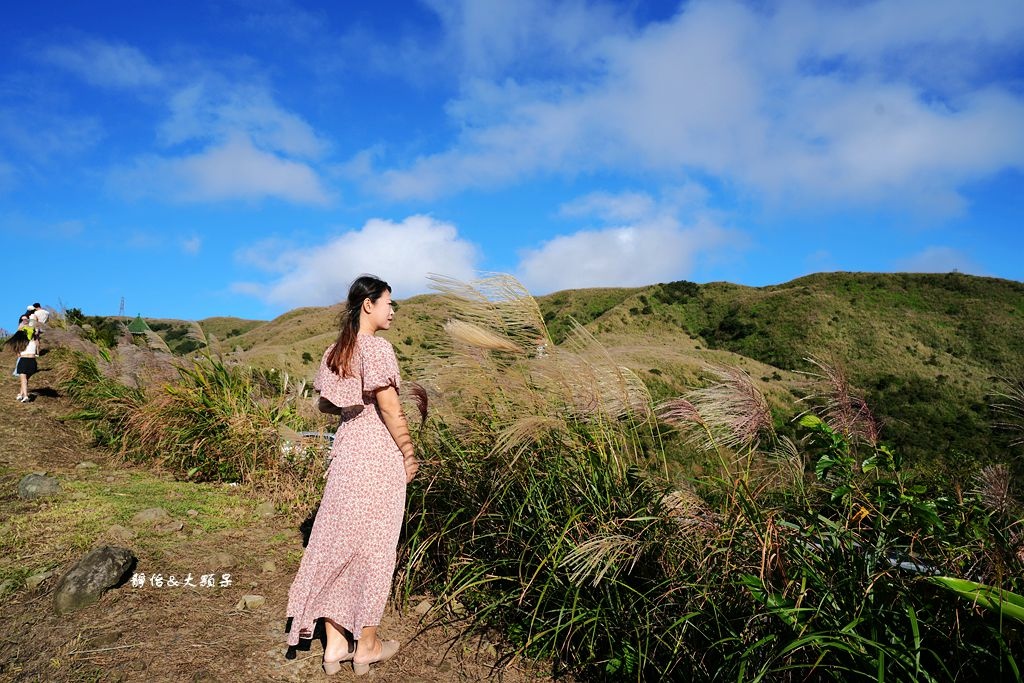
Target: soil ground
150 633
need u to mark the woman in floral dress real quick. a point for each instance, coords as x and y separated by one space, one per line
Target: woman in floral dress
346 571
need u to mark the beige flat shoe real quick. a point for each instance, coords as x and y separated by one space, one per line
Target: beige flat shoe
388 648
333 667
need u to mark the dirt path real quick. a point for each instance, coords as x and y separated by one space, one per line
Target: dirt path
150 633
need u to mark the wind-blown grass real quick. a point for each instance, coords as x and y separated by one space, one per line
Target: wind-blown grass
544 512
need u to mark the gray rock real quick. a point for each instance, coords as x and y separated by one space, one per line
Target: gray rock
86 465
423 607
36 485
91 576
192 513
251 602
222 561
33 582
150 516
269 567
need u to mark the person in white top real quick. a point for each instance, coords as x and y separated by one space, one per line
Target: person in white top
40 315
37 319
24 343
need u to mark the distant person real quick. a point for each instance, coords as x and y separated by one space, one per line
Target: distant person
23 343
38 319
346 570
25 326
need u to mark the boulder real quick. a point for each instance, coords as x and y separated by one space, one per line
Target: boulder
84 583
34 486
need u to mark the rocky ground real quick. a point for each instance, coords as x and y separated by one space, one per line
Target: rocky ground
142 631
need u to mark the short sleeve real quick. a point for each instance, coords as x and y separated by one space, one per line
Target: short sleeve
339 391
380 366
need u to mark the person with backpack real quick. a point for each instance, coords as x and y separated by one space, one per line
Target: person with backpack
24 344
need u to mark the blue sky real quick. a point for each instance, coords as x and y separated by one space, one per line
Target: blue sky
246 158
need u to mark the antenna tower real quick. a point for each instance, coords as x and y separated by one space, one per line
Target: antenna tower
120 311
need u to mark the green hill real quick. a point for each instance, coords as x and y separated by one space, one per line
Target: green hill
926 351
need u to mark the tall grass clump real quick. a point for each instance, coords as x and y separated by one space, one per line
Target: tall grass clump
545 511
212 422
105 404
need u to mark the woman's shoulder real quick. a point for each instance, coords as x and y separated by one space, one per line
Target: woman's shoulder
372 341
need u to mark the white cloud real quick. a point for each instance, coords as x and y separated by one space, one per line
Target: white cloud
657 250
270 255
192 245
41 135
802 103
109 65
403 253
937 259
214 110
626 206
235 169
488 37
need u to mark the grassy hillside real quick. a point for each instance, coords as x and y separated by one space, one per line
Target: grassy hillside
925 350
181 337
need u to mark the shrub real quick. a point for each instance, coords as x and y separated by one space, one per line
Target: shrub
216 422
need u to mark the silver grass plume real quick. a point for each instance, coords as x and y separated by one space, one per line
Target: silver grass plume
603 555
1010 404
501 341
197 334
592 381
842 410
993 487
155 341
730 413
498 304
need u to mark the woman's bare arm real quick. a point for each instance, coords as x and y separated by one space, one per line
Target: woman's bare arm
394 419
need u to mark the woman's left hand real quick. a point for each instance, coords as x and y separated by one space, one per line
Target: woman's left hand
412 465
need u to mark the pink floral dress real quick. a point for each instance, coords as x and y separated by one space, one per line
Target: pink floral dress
346 571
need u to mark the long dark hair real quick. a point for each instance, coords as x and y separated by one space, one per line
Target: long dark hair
17 342
363 287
